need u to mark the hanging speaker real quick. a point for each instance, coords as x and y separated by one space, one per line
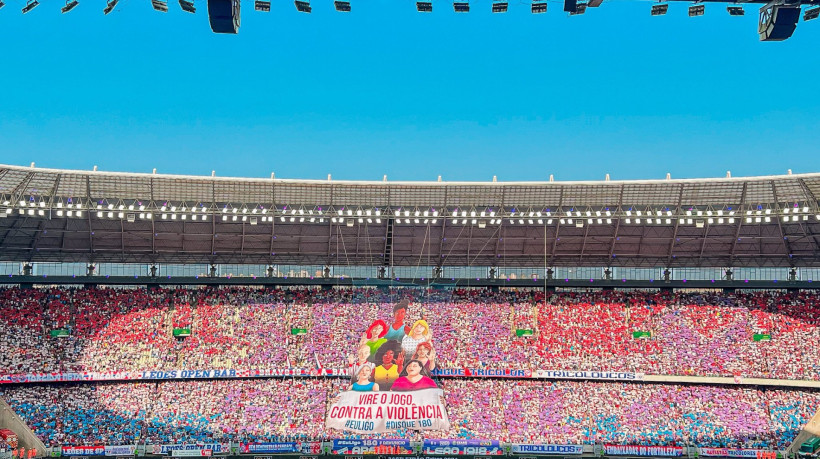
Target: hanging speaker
224 15
777 22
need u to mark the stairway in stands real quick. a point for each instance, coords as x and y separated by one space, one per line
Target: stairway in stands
26 438
811 429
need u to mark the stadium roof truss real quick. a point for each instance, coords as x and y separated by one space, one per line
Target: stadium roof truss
64 215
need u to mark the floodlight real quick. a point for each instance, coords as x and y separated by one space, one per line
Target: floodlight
187 6
69 5
110 6
500 7
461 7
30 5
735 10
811 13
343 6
262 5
696 10
160 5
303 7
660 9
539 7
424 7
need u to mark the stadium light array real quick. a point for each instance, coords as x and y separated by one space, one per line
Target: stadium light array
793 212
696 10
811 13
30 5
538 7
735 10
461 7
500 7
424 7
303 7
343 6
660 9
160 5
109 7
262 5
69 5
187 6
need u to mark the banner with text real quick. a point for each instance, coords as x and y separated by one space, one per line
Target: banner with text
124 450
730 452
389 446
192 453
215 448
462 447
605 375
484 372
270 448
83 450
391 384
303 447
530 448
639 450
380 412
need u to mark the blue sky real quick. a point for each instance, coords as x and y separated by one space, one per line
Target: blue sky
387 90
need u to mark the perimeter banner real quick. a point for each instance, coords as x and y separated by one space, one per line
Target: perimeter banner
375 446
728 452
462 448
280 448
639 450
124 450
605 375
484 372
83 450
530 448
215 448
367 412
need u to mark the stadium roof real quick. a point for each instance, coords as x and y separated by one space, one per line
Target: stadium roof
68 215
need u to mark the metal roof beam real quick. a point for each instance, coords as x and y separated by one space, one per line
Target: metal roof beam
783 236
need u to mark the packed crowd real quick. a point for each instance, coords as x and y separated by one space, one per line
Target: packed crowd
561 412
709 334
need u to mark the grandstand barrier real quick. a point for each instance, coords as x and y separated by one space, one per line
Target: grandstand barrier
382 448
591 375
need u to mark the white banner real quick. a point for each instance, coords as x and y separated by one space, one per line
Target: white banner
126 450
198 447
191 453
571 374
367 412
